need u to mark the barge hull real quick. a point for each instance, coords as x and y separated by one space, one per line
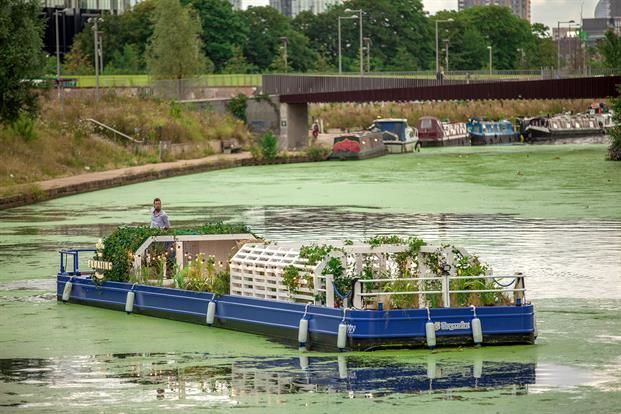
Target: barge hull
450 142
367 329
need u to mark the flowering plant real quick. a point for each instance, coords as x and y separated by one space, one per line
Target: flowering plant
347 145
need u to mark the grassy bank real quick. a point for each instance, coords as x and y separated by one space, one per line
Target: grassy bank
60 142
348 115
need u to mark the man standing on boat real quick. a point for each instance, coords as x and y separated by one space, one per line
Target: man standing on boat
159 218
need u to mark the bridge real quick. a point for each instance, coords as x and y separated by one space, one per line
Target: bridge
295 92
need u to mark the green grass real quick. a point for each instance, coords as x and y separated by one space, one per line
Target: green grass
223 80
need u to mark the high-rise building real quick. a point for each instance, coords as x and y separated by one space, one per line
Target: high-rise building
292 8
520 8
237 4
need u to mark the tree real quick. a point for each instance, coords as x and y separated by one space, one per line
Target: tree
267 26
501 29
125 62
21 57
78 63
391 24
403 61
610 49
238 63
474 55
175 49
223 29
614 150
131 29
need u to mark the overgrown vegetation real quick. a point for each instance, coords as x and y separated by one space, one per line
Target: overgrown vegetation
60 142
348 115
614 150
21 57
122 243
266 147
237 106
406 265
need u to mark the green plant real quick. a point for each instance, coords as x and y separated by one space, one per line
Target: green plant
317 152
237 106
24 126
269 146
314 254
122 243
175 110
291 279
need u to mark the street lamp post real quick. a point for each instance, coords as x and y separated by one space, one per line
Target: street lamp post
285 43
97 45
490 61
56 13
446 58
368 43
361 46
340 48
522 53
558 44
438 45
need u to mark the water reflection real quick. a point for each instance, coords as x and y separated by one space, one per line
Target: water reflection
108 379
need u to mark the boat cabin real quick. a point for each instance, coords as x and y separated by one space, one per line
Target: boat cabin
398 136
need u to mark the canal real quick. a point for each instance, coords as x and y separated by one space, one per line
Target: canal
552 212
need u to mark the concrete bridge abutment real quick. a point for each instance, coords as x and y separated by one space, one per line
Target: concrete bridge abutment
293 126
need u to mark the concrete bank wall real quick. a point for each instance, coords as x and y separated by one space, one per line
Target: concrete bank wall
146 175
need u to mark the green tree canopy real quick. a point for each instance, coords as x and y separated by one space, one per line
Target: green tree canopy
391 24
125 38
21 56
610 50
175 49
223 29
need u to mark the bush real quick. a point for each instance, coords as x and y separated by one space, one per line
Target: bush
614 150
317 153
23 126
269 146
237 106
121 244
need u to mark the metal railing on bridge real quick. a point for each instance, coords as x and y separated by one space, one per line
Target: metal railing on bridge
304 83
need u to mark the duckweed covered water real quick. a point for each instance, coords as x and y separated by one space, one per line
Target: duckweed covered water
551 212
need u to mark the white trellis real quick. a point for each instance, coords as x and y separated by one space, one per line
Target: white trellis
257 271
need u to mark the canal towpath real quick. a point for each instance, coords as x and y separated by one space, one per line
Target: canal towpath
82 183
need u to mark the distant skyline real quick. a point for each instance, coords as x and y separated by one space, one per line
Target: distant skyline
548 12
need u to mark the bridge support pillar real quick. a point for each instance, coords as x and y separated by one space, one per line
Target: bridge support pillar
293 126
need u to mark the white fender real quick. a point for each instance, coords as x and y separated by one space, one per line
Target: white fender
303 332
432 370
129 302
341 339
477 369
342 361
430 333
477 332
304 362
67 291
211 313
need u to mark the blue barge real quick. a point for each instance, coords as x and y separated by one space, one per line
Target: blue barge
483 132
336 321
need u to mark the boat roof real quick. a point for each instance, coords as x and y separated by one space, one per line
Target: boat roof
390 120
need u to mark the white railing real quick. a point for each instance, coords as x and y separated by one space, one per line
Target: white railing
517 288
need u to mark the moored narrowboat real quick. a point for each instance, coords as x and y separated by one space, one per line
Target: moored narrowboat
398 136
358 146
545 129
484 132
434 133
321 296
